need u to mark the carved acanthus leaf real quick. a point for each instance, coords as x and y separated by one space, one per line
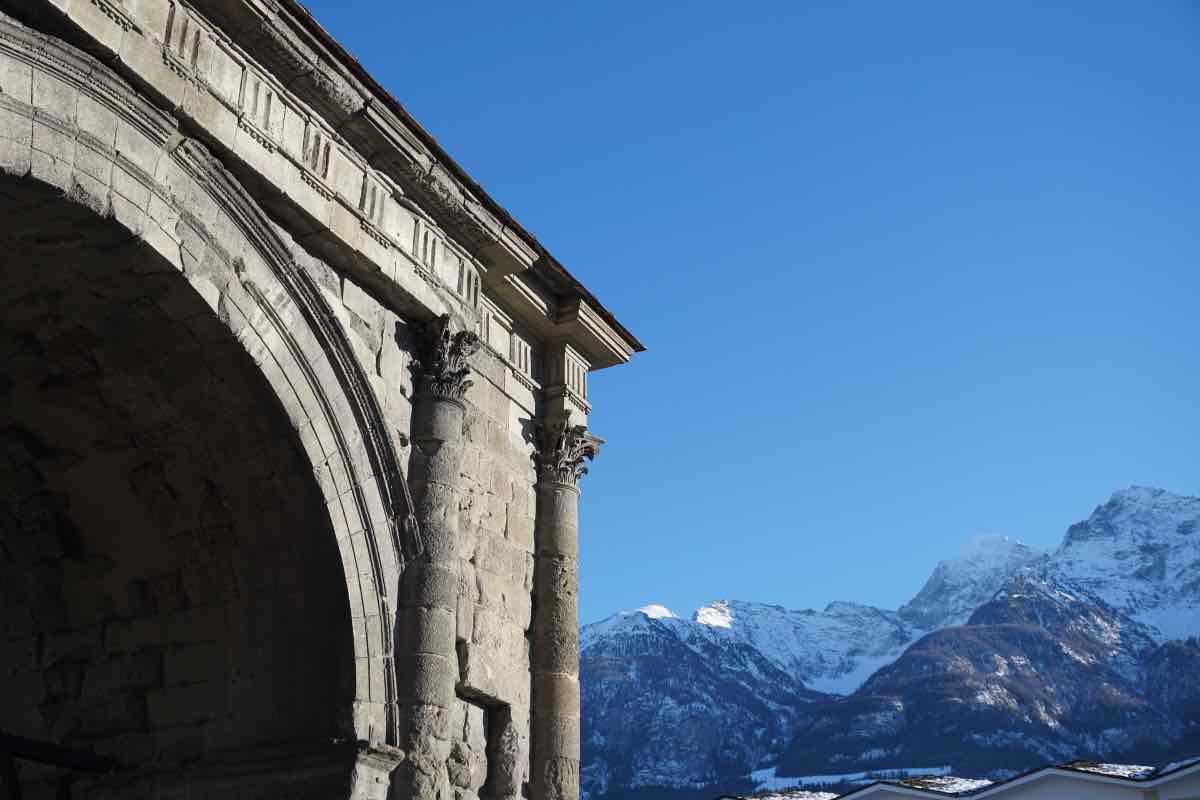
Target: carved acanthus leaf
565 451
442 358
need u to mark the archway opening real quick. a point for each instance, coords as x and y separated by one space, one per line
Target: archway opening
170 586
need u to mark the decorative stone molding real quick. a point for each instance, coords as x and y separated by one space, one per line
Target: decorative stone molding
565 450
201 61
442 360
523 379
180 202
117 15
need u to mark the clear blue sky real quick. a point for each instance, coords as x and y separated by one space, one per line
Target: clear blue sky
907 272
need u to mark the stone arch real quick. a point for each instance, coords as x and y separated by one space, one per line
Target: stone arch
73 135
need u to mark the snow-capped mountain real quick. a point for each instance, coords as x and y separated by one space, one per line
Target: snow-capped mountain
1102 609
958 587
662 712
1036 675
1140 554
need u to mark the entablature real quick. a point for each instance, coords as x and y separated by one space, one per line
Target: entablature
515 267
341 163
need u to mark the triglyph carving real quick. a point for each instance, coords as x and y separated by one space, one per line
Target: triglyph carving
442 358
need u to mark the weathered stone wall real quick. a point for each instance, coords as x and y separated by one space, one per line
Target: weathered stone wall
200 411
163 547
493 544
258 327
497 549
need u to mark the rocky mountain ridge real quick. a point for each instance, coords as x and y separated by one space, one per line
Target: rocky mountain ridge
1097 611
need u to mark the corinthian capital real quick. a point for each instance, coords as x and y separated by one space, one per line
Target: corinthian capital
442 358
564 450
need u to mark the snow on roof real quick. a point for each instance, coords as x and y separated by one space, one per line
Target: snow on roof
951 786
945 784
799 794
1134 771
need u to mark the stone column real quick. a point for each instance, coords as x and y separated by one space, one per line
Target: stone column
555 630
426 660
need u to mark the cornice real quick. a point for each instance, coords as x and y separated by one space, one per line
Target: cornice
583 326
369 116
315 84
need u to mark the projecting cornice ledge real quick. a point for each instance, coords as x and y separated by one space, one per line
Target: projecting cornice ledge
284 35
335 159
286 39
580 324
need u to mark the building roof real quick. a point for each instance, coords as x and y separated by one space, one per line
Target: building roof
1088 771
977 789
945 784
1132 771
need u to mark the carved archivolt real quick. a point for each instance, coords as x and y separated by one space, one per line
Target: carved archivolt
178 200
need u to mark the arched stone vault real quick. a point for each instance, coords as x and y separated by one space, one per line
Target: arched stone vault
226 186
164 549
68 124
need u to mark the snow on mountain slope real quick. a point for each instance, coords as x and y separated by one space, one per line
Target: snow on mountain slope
671 701
660 712
1036 674
833 650
1140 553
958 587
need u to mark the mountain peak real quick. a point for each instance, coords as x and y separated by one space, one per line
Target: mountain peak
715 615
655 611
1140 553
992 624
996 546
960 585
1140 494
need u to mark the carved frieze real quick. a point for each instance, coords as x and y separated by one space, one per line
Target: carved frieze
442 358
565 451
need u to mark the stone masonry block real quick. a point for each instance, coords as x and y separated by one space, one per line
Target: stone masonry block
518 528
145 57
394 365
465 620
54 97
16 78
427 585
194 663
489 628
121 673
105 28
426 679
178 705
197 624
429 631
79 643
557 651
501 557
133 146
508 596
495 518
18 655
371 777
